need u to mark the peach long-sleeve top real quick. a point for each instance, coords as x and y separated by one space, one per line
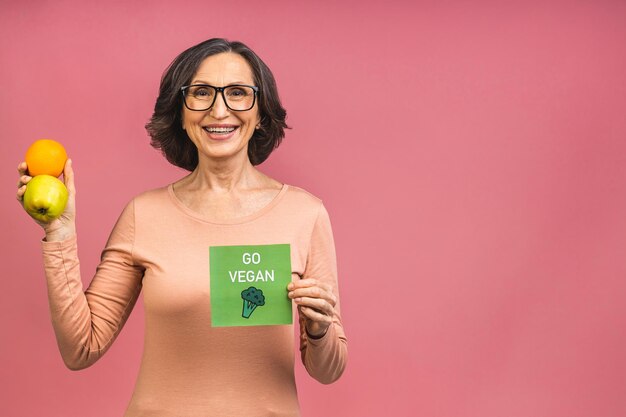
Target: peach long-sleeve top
190 368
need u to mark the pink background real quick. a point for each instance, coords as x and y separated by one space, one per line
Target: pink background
472 156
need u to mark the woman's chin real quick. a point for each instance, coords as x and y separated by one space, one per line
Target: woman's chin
223 153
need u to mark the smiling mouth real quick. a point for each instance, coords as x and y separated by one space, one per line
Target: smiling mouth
219 130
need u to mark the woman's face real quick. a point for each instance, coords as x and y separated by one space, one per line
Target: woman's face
207 129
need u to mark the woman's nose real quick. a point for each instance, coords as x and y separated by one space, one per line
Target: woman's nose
219 108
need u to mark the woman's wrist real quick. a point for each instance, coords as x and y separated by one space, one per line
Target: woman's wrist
315 337
59 234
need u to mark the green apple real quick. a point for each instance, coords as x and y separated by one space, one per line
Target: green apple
45 198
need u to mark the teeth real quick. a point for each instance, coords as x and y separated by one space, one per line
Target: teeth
219 129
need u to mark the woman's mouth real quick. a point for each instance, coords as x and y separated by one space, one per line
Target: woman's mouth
220 133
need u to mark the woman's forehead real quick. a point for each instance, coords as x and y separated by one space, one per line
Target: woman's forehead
222 69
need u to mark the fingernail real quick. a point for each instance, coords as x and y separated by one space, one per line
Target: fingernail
290 286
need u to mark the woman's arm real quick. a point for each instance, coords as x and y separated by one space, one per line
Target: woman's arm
323 343
86 323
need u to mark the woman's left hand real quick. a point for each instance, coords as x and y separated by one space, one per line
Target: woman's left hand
316 302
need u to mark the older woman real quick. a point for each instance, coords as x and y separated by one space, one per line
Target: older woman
218 115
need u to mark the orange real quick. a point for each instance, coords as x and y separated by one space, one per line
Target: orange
45 156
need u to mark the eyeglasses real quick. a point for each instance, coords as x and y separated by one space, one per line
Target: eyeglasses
201 97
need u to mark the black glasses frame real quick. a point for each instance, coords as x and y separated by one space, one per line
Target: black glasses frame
218 90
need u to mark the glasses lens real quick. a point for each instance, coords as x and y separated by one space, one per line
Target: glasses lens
239 97
200 97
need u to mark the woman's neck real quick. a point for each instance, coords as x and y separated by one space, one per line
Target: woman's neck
222 176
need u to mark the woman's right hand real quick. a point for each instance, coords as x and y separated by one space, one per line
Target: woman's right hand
63 226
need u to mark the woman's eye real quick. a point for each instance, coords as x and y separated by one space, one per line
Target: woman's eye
236 92
202 92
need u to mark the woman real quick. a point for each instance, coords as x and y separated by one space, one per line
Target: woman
217 115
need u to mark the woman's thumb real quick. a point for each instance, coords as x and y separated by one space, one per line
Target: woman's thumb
68 177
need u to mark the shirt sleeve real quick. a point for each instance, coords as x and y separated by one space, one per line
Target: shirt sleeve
87 322
324 358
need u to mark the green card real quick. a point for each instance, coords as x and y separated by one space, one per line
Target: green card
249 285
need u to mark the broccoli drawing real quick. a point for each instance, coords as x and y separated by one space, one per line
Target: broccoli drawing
252 298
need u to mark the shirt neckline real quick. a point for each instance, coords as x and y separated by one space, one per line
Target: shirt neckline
237 220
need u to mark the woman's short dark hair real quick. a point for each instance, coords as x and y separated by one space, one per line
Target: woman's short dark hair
165 125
